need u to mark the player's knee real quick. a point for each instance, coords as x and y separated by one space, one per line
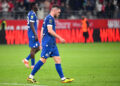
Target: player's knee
57 60
32 53
37 49
43 60
32 50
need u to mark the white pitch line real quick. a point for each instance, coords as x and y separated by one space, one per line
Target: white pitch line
20 84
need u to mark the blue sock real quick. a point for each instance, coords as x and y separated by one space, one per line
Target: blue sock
32 61
28 57
37 67
59 70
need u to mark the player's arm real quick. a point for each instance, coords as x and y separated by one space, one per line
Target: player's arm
53 33
33 29
41 36
41 33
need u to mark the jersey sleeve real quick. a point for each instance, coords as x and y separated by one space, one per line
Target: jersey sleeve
32 18
49 22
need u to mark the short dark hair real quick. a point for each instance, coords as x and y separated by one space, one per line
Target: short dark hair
32 5
56 6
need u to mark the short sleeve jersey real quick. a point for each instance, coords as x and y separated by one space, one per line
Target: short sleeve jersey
48 39
31 18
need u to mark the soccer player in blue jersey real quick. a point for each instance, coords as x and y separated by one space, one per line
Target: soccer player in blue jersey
49 48
32 35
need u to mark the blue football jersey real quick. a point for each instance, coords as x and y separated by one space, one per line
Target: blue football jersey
48 39
31 18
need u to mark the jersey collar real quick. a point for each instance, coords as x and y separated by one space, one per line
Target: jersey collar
33 12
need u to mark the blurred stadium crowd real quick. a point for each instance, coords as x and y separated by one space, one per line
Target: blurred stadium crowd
71 9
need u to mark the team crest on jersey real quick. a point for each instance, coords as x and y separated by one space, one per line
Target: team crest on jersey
50 20
31 17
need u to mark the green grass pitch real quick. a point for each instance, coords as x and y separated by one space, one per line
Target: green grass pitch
93 64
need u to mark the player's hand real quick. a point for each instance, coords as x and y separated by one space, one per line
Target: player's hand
62 40
36 38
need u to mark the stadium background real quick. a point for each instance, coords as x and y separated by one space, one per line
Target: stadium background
91 64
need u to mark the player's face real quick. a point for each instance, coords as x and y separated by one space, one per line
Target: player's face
57 12
36 7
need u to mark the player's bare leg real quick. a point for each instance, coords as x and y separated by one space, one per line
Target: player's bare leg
57 60
32 56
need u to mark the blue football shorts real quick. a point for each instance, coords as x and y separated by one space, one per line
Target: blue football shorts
33 43
49 51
